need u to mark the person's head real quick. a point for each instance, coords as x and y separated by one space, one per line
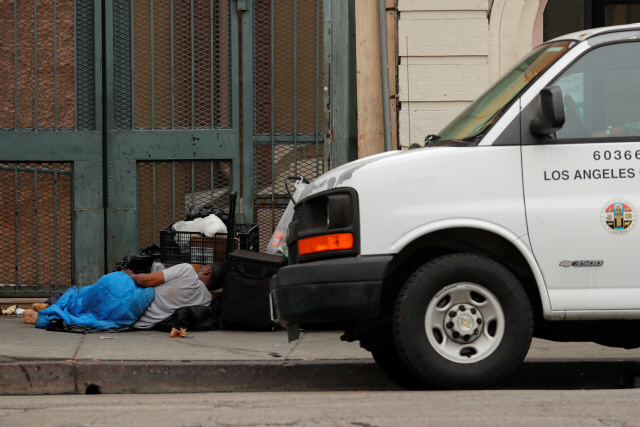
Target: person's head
211 275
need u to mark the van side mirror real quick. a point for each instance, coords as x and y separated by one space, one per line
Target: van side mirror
551 112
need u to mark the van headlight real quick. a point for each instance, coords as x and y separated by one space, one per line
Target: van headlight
325 225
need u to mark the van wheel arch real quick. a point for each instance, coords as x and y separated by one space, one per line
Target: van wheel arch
449 241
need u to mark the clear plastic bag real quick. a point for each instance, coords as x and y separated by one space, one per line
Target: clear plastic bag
277 244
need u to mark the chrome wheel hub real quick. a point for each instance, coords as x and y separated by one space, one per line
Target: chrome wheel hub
464 322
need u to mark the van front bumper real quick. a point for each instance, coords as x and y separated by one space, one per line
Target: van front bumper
330 290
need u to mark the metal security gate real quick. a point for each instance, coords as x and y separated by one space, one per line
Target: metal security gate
286 111
172 114
51 216
82 185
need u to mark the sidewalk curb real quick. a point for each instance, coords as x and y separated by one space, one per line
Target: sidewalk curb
140 377
111 377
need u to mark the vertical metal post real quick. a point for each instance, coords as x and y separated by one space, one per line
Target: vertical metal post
133 74
193 183
384 73
16 222
172 89
35 60
15 62
248 110
153 85
35 169
75 60
55 65
55 226
318 85
154 201
173 189
326 76
213 66
211 165
193 66
273 114
343 145
295 87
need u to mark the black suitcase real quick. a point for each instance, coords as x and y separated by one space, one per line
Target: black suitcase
245 292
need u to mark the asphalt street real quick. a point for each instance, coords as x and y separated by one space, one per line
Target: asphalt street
470 408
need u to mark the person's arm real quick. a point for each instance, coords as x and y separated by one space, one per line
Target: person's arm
150 280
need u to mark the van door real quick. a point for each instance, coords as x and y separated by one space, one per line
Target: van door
582 186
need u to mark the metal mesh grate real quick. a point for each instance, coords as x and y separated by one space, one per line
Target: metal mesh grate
35 226
175 70
167 189
288 67
46 50
272 167
288 110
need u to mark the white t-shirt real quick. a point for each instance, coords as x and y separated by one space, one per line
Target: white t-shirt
181 288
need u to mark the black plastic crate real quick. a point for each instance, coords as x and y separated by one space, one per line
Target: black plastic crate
196 248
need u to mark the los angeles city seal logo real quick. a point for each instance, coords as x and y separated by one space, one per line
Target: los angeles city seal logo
618 216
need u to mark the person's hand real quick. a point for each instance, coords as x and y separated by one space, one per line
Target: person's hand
128 272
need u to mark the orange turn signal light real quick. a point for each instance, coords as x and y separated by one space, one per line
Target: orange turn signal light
328 242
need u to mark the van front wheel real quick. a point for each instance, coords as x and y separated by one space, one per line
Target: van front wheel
462 321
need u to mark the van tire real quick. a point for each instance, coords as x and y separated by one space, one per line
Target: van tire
429 298
390 363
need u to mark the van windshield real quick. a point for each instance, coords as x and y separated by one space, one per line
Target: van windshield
473 123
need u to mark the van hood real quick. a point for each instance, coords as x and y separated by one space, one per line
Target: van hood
347 175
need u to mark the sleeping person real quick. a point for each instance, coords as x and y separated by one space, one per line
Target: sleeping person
123 299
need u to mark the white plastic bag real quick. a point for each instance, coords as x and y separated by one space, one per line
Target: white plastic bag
276 245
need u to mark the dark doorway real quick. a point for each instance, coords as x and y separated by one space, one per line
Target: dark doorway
568 16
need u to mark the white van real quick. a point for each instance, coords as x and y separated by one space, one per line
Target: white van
517 220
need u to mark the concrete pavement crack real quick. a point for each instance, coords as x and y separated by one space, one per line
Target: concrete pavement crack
75 366
79 345
286 359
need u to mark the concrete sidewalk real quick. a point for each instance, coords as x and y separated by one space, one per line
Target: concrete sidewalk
34 361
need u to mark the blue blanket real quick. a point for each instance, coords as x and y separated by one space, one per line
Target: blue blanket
113 301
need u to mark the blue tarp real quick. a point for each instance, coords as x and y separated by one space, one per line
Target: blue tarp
113 301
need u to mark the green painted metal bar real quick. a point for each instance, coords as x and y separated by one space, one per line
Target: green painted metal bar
286 138
51 146
75 60
193 66
235 69
172 75
173 189
248 111
153 80
295 87
35 61
99 58
318 61
193 183
133 75
213 66
237 183
16 234
154 200
32 169
55 226
15 62
55 65
35 201
326 76
273 114
343 146
211 176
109 75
